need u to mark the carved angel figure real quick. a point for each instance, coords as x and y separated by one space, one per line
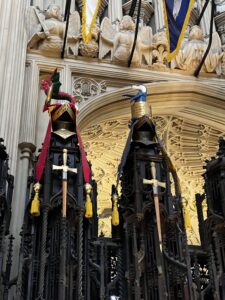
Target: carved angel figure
191 55
120 41
46 31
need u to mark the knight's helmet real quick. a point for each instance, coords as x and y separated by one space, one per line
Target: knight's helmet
64 120
63 116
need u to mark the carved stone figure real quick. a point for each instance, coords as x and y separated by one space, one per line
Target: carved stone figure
46 31
90 49
160 51
191 55
120 42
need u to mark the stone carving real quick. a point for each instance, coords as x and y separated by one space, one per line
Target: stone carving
191 55
120 42
160 50
90 49
146 13
220 24
220 6
46 31
86 88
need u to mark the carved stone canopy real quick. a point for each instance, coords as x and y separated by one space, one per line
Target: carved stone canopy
220 23
147 10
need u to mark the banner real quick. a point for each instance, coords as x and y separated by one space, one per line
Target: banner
176 15
90 10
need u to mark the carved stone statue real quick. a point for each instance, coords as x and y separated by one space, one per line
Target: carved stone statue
191 55
46 31
120 41
90 49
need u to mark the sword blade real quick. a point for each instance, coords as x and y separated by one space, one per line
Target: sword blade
64 204
158 221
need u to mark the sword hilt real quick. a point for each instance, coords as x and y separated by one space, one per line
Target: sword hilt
153 170
65 151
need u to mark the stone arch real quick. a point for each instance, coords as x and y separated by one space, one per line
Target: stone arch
190 118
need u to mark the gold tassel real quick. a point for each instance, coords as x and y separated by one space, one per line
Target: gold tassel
35 205
115 213
187 218
88 203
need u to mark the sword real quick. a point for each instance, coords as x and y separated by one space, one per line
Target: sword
65 169
155 184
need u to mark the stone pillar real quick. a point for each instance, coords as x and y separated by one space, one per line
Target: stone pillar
115 10
26 149
13 41
29 107
159 15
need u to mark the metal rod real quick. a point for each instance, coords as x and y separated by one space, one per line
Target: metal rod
132 8
136 33
202 12
197 71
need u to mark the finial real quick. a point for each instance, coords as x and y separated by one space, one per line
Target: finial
139 105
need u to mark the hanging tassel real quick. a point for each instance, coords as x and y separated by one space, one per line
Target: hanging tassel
115 213
88 203
187 218
35 205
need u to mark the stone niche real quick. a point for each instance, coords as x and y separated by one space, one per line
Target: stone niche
147 10
220 24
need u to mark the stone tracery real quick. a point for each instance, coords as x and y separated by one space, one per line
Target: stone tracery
188 143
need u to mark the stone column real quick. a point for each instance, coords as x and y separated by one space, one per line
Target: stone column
115 10
13 42
26 149
159 15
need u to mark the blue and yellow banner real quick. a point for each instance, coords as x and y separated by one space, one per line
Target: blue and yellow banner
176 14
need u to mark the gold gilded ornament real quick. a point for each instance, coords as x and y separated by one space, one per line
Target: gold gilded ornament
35 205
115 213
88 203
